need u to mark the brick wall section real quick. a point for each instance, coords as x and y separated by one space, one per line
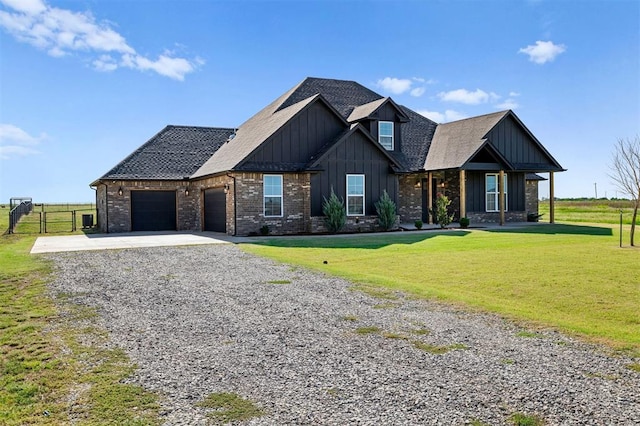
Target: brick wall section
119 206
101 207
531 196
250 209
352 225
410 198
493 217
209 183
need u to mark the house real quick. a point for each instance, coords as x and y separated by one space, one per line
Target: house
276 169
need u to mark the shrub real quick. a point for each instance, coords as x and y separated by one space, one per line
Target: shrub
264 230
464 222
386 209
418 224
441 211
334 212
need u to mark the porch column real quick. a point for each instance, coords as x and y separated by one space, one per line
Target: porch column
430 196
552 218
501 196
463 194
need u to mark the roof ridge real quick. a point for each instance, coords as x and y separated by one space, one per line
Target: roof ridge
503 112
185 126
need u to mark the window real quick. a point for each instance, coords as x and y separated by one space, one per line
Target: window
385 134
493 192
355 195
272 195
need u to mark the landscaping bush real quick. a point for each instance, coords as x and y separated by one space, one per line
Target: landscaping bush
386 209
418 224
334 212
464 222
441 211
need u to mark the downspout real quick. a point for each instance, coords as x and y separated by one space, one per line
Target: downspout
235 204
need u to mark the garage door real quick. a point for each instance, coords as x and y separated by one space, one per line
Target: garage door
153 210
215 210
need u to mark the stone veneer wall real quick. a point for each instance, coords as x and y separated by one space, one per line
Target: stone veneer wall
531 196
410 198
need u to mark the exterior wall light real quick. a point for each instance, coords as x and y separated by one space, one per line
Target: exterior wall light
120 191
186 191
226 188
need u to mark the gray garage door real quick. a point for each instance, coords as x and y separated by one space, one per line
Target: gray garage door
153 210
215 210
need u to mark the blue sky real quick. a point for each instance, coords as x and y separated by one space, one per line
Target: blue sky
83 83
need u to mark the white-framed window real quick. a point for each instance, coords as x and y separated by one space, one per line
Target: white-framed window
493 192
385 134
355 195
272 187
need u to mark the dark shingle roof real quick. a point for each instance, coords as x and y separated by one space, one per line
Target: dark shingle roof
343 95
417 134
174 153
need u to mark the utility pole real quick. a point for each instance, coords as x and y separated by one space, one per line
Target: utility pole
595 185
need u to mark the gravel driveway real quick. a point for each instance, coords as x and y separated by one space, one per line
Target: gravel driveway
205 319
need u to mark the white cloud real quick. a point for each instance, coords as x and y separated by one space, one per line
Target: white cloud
31 7
417 92
508 104
543 51
16 142
514 94
394 85
439 117
466 97
63 32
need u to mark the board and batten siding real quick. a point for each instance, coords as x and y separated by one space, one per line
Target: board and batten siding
386 112
301 137
354 155
476 191
513 142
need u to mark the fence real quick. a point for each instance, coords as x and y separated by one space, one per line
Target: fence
24 207
55 218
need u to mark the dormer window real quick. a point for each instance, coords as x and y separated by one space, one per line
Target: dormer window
385 134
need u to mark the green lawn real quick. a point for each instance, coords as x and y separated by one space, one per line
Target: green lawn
590 211
58 218
47 370
571 277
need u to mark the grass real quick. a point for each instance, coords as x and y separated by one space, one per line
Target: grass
229 407
566 276
521 419
55 364
589 211
58 218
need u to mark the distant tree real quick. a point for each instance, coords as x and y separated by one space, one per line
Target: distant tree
625 172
